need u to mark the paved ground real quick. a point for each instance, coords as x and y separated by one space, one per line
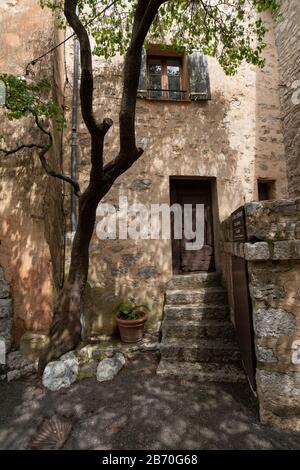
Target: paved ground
139 410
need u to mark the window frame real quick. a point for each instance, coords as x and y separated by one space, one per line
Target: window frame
165 77
163 55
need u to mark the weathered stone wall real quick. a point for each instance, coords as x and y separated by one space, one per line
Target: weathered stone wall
5 314
273 255
287 33
31 210
234 139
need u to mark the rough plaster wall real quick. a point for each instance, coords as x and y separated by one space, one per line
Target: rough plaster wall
30 207
288 44
270 159
235 138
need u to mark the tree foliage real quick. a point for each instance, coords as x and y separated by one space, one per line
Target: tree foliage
230 30
24 98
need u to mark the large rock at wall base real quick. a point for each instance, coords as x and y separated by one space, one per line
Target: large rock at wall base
32 343
109 368
62 373
279 399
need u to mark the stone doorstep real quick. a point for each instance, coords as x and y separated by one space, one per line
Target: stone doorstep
198 329
197 312
188 281
207 350
202 372
189 296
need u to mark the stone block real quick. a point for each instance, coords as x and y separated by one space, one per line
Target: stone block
108 368
286 250
19 366
62 373
274 322
264 354
279 397
267 292
282 250
284 207
148 272
251 208
257 251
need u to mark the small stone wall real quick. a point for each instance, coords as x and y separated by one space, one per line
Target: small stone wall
273 255
5 311
5 322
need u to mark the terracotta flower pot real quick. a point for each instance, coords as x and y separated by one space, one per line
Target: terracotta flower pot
131 331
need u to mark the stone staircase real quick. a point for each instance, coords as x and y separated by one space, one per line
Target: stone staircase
198 338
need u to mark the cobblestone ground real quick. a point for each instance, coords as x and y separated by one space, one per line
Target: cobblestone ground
139 410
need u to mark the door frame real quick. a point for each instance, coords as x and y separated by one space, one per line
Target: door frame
215 219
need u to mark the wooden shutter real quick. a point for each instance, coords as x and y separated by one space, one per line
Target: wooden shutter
198 76
142 89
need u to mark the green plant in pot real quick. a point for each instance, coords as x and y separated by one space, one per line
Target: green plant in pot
131 319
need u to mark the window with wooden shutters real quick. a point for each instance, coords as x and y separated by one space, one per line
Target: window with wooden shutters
166 75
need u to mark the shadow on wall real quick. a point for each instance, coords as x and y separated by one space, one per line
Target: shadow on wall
30 231
182 139
270 158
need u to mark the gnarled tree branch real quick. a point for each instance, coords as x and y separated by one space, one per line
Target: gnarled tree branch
20 147
145 13
45 163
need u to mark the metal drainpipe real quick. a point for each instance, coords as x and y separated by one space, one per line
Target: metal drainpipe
74 207
74 135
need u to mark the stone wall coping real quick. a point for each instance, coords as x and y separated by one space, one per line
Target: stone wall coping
263 251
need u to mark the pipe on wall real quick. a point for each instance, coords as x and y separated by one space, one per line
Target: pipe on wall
74 147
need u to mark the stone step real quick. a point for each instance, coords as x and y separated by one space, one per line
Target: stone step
196 312
197 329
205 295
202 372
193 281
205 350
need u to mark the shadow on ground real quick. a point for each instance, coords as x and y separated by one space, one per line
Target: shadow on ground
139 410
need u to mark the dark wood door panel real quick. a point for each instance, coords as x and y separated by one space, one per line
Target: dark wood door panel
243 317
193 192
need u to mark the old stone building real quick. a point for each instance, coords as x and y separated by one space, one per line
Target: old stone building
225 142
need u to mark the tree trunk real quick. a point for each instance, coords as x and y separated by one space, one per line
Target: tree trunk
65 331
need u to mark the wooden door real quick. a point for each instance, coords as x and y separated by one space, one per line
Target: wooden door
193 192
243 317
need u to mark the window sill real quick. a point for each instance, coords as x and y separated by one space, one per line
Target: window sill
163 100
